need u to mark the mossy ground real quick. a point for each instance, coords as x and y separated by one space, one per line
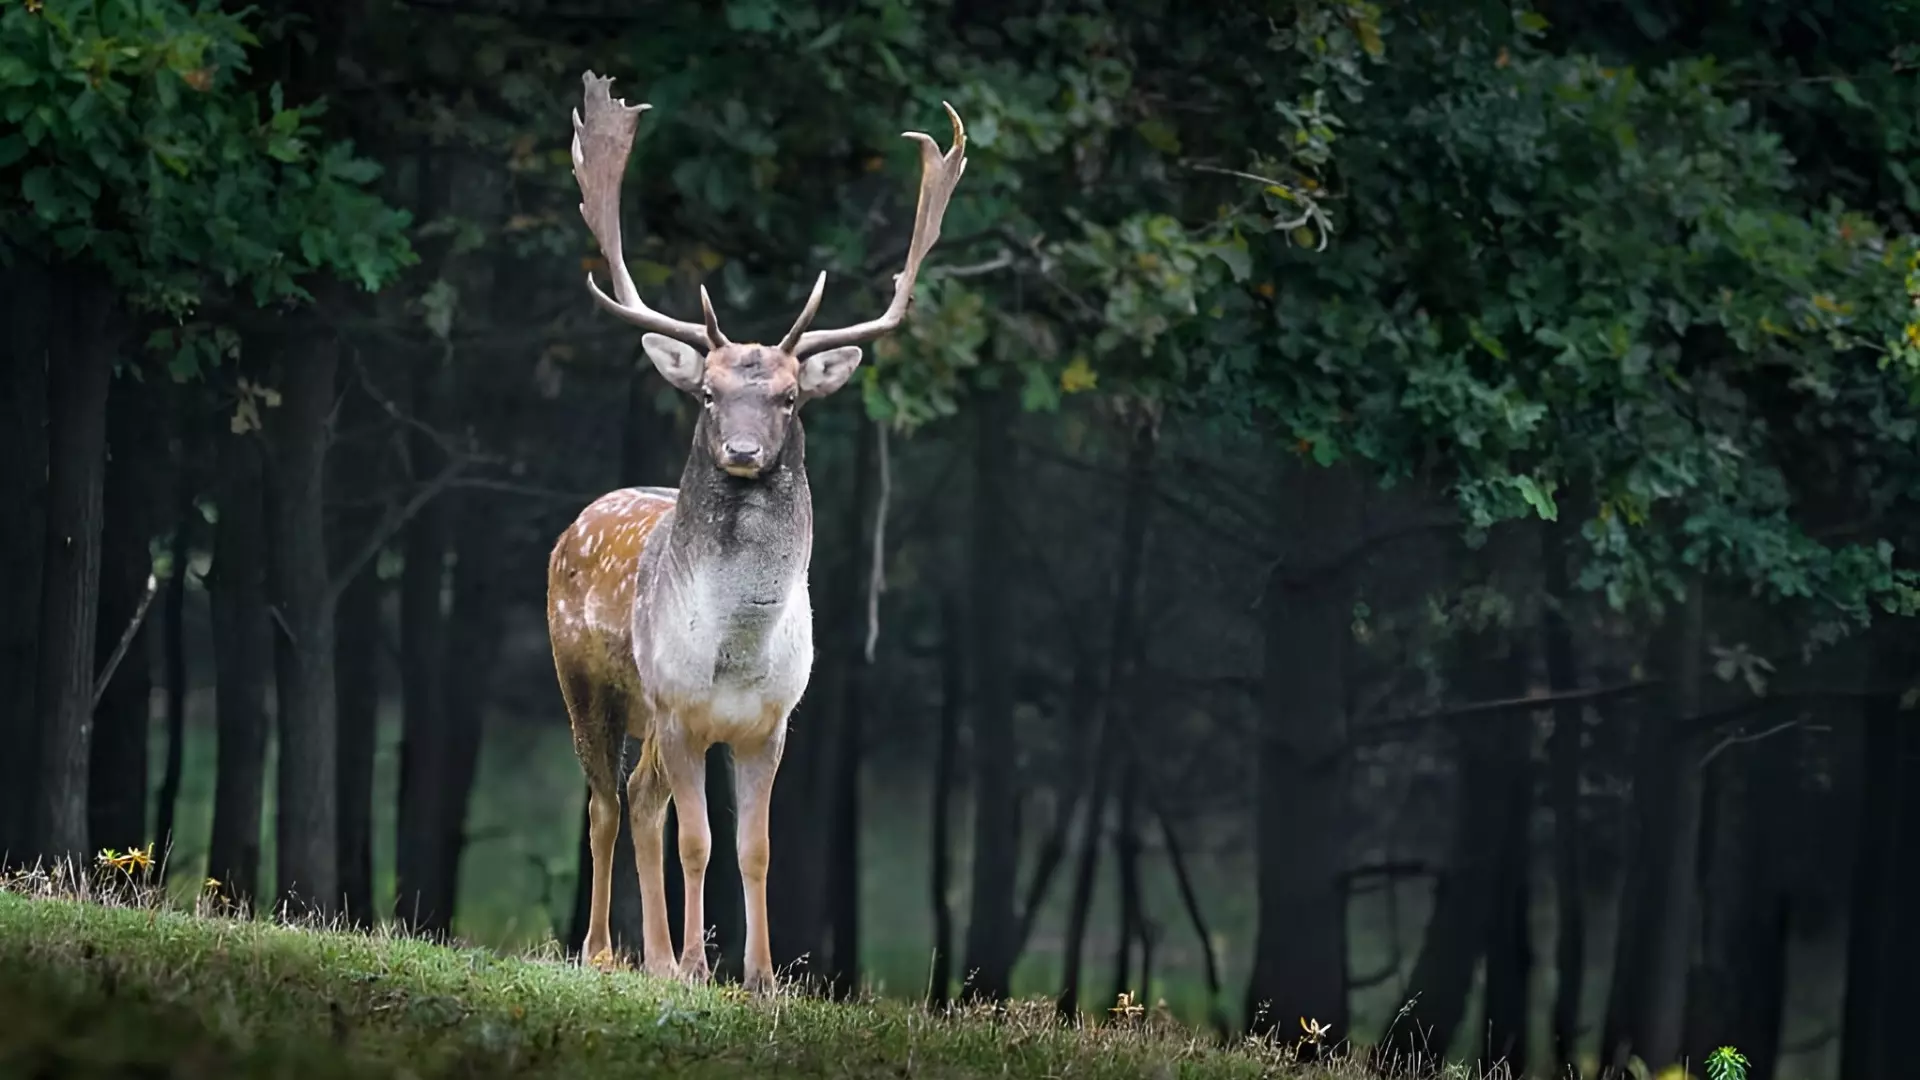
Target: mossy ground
117 989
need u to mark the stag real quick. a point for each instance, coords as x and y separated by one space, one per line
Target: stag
680 617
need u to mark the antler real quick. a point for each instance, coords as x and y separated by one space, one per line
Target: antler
602 142
939 174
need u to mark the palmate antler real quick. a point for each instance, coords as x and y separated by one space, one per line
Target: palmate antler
603 131
939 175
602 140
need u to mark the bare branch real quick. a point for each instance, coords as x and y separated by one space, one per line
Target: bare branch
1311 211
391 524
1374 734
126 638
877 579
1737 739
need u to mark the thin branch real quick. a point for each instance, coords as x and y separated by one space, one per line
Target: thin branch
1383 732
979 269
877 579
530 491
1311 212
1807 80
1737 739
1191 901
126 639
395 520
448 444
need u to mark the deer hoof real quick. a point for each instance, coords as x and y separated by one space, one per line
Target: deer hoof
759 983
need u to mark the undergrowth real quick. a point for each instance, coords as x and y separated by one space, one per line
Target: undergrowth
101 975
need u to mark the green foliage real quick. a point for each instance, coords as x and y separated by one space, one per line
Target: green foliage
1726 1063
134 147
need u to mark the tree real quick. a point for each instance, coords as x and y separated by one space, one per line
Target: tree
163 186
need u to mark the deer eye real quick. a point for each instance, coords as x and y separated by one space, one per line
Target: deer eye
793 398
706 396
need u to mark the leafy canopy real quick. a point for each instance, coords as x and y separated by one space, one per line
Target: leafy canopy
136 149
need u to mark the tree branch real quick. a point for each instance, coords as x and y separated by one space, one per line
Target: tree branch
877 578
126 638
391 524
1375 734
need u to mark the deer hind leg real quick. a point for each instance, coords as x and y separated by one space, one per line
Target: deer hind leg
753 771
597 742
684 760
647 793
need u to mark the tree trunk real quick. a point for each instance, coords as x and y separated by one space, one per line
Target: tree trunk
1126 860
1301 769
1112 745
77 387
799 818
357 689
356 475
1085 872
946 754
23 471
1738 991
474 634
1658 926
991 923
1076 776
242 650
1509 945
419 895
1867 1024
174 633
1465 897
1565 751
117 775
1883 943
843 867
306 835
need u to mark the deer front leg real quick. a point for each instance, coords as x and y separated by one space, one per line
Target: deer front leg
647 792
753 771
685 760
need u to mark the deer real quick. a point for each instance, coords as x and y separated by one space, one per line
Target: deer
680 617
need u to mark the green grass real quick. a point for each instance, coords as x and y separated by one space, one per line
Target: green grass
91 989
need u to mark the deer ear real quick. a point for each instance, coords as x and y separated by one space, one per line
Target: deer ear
823 373
680 363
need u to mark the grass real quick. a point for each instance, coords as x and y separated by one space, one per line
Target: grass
93 988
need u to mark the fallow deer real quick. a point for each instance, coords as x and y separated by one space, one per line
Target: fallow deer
680 616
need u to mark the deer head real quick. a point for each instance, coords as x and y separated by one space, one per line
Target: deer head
749 393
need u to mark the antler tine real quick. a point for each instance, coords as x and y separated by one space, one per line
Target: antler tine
939 175
713 323
603 132
788 343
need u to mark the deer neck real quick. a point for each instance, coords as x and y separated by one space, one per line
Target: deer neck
750 540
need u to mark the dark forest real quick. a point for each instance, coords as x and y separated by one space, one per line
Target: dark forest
1390 521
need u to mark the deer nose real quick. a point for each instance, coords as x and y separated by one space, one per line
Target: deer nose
741 454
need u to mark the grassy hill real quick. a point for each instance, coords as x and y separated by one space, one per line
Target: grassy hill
95 990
